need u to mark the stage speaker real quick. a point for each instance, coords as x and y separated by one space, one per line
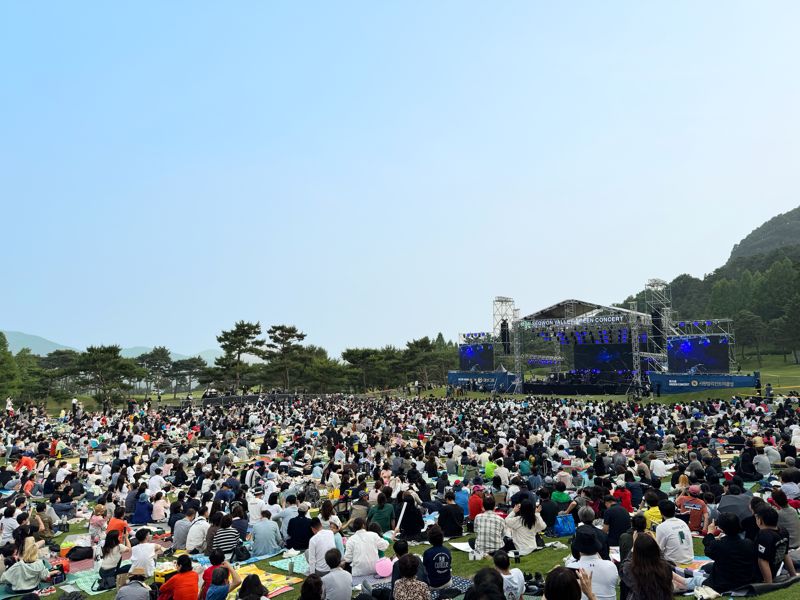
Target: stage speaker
505 337
658 330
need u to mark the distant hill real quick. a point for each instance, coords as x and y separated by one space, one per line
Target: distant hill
18 340
779 232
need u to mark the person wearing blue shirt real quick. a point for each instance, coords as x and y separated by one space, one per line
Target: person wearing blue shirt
225 495
462 497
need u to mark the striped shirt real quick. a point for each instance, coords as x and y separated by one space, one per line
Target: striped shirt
226 539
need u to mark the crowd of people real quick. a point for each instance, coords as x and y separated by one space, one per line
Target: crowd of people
349 480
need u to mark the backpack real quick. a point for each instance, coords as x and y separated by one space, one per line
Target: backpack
240 553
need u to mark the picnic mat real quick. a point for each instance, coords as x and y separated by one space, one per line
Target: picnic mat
696 563
300 564
204 561
84 581
76 566
275 584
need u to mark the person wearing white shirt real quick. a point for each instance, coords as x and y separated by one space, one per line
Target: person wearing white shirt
513 579
604 572
196 538
321 541
144 553
62 472
674 536
658 468
256 504
502 472
156 483
362 549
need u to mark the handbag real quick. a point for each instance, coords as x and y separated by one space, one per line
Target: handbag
240 553
564 526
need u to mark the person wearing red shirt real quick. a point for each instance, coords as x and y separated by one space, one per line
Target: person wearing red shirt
117 523
183 585
217 559
26 463
475 503
624 496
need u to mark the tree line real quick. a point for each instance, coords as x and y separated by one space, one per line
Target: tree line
251 360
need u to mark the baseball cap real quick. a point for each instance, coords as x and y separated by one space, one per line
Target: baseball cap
304 507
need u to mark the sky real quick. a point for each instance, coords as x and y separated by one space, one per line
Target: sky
376 172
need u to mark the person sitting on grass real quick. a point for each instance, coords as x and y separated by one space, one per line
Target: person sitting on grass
567 584
337 584
732 555
408 587
111 555
772 545
489 528
182 585
252 588
224 579
437 560
26 574
513 579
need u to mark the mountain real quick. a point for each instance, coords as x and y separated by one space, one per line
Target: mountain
779 232
18 340
135 351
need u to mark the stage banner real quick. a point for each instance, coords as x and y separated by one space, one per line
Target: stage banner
500 381
667 383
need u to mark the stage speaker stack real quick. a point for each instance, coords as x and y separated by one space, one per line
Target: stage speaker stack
505 337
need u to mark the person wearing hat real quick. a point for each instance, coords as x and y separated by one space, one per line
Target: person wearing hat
604 573
136 588
255 503
691 504
475 503
298 532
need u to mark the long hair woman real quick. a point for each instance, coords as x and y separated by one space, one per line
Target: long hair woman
646 574
524 523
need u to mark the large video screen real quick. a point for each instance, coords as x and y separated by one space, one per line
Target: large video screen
478 357
697 354
603 357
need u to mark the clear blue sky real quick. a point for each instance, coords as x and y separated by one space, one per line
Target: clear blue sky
374 172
